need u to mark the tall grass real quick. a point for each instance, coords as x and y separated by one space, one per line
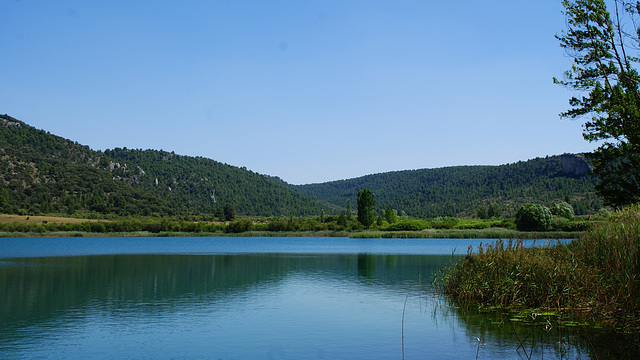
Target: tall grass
610 254
596 277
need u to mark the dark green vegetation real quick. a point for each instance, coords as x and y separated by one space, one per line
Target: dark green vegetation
533 217
605 53
460 191
324 225
594 278
41 173
366 208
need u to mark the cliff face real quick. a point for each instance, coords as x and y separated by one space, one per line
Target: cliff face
574 165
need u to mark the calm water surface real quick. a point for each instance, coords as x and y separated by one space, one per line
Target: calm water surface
249 298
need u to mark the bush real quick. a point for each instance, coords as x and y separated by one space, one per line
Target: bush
445 223
563 209
506 223
474 225
239 226
603 213
533 217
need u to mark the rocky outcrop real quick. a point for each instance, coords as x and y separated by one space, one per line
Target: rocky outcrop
574 165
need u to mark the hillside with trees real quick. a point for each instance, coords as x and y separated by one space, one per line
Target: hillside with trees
464 191
42 173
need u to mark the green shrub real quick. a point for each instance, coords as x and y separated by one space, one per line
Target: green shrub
559 223
445 222
603 213
533 217
505 223
474 225
239 226
563 209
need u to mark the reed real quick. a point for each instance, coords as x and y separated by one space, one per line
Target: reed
596 277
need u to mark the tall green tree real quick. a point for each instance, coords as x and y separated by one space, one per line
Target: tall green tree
604 50
366 207
391 215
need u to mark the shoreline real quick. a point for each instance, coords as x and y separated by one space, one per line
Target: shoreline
495 233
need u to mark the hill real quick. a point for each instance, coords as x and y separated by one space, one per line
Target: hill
462 190
42 173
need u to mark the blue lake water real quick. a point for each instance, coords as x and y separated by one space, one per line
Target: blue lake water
250 298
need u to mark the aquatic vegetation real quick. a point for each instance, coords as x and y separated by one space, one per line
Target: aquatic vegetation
596 278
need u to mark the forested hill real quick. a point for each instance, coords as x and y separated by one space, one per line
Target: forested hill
203 184
44 173
462 190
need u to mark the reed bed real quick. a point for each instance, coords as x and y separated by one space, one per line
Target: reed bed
595 278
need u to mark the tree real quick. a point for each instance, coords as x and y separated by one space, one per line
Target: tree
366 206
220 214
391 215
533 217
563 209
229 212
494 211
603 68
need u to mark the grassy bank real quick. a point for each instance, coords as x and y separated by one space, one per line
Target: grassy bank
595 278
493 233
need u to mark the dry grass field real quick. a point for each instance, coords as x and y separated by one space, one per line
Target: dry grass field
25 219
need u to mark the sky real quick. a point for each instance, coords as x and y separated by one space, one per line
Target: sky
309 91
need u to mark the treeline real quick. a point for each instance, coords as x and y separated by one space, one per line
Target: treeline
155 226
460 191
326 223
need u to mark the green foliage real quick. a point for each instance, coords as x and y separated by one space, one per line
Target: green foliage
239 226
229 212
391 215
459 191
594 277
220 214
366 208
533 217
445 222
487 212
482 212
42 173
342 220
603 67
562 209
559 223
603 213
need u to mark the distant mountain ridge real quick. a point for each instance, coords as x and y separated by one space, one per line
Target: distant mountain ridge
44 173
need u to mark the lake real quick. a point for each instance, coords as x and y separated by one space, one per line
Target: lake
254 298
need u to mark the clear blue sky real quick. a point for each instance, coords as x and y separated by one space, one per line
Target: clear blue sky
310 91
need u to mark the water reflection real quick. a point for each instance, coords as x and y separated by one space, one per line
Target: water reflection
254 306
42 294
